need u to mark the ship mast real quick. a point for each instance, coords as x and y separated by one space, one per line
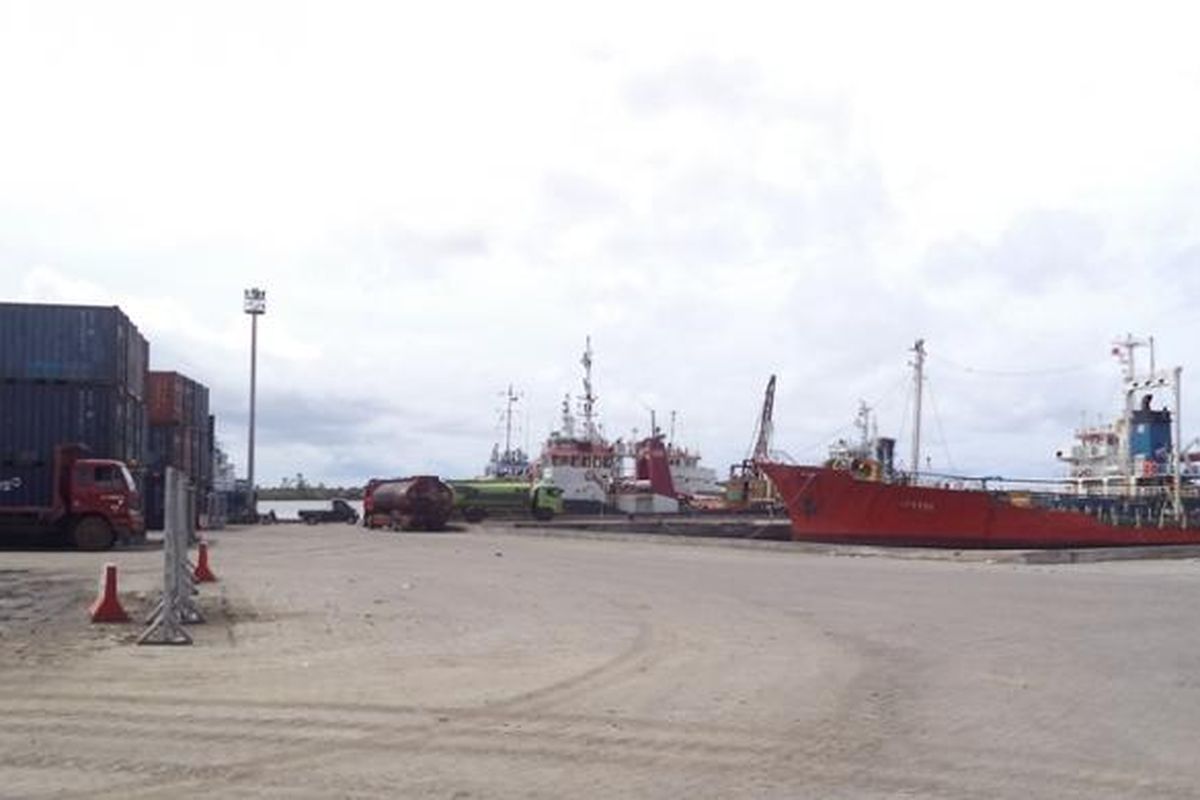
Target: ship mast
568 419
919 378
1124 351
866 427
510 398
1177 483
589 399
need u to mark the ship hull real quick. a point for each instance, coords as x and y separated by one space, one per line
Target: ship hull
827 505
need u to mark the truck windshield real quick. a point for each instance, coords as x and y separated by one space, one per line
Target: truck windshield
129 484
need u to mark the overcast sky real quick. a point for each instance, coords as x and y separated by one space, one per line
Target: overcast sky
443 198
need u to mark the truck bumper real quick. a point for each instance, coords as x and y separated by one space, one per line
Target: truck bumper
130 530
130 535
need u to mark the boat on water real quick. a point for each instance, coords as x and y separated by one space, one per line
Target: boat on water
576 457
511 463
1130 484
596 475
689 477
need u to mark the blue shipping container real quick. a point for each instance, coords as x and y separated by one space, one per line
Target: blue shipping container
153 500
36 417
57 343
165 447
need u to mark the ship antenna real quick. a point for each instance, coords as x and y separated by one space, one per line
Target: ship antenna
919 377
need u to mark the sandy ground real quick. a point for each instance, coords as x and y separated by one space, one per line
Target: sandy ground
485 663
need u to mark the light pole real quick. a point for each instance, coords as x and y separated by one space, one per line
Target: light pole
255 305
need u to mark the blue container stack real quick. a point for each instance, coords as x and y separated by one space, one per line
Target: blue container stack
68 374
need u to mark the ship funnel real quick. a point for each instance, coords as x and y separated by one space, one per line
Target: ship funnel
885 454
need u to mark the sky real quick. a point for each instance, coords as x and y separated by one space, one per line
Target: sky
443 199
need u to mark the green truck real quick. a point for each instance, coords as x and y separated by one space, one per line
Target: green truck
478 499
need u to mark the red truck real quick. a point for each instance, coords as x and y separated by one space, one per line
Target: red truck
92 502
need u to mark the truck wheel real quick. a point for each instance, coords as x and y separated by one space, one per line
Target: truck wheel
543 514
92 533
473 514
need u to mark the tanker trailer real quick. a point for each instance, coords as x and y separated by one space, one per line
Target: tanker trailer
419 503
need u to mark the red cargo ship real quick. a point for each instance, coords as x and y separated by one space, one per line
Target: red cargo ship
832 505
1140 492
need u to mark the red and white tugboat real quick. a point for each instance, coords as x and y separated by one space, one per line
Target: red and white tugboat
577 458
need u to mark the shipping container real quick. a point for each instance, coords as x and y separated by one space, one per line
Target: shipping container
184 448
35 417
164 398
208 450
72 344
166 447
180 437
176 399
200 416
154 500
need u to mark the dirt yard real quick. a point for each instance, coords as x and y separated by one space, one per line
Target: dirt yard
342 663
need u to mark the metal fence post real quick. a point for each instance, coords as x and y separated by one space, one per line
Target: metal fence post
165 625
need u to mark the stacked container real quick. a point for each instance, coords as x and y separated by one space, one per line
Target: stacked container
68 374
180 436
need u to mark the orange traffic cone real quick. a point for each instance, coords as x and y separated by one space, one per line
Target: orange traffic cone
107 607
202 573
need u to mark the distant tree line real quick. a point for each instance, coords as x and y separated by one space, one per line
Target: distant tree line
297 487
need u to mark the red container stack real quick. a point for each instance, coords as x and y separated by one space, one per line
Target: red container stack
180 435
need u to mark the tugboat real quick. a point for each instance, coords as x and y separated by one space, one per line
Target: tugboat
578 460
512 463
1128 486
656 465
595 475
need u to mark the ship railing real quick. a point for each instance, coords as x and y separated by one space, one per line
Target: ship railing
1148 504
947 480
1112 488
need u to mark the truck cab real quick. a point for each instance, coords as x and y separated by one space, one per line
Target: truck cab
102 503
90 502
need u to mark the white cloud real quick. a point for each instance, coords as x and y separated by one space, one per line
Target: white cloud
445 199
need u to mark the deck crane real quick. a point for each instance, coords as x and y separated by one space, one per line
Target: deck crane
748 487
762 439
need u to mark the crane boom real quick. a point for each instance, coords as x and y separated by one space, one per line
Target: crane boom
762 443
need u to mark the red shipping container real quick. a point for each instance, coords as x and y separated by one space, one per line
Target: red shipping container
164 398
